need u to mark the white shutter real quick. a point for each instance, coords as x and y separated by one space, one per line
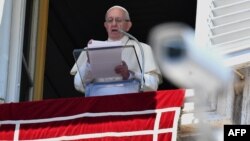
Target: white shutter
228 30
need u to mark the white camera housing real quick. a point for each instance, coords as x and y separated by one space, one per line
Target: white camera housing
182 62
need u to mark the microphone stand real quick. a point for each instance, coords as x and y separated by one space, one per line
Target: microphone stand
142 54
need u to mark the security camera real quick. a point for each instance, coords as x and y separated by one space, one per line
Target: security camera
182 62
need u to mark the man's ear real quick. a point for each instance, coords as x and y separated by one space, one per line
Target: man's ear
105 25
129 25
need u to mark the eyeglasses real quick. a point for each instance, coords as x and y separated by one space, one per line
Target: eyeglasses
117 20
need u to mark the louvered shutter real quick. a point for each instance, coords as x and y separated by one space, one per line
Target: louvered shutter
227 31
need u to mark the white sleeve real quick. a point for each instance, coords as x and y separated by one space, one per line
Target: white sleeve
151 81
78 83
82 77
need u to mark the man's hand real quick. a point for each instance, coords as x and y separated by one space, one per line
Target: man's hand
123 70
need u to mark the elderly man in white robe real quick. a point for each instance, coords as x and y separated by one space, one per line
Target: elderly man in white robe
117 18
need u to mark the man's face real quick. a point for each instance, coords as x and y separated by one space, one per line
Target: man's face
115 19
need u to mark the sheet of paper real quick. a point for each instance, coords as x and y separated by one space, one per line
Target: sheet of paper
98 44
104 58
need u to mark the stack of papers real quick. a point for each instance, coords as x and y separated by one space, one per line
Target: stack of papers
98 44
104 56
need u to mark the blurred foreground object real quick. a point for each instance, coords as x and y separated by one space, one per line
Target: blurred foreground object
184 63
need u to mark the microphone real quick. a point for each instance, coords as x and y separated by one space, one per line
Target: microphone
142 54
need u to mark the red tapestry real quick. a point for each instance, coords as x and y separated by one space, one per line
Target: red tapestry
149 116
